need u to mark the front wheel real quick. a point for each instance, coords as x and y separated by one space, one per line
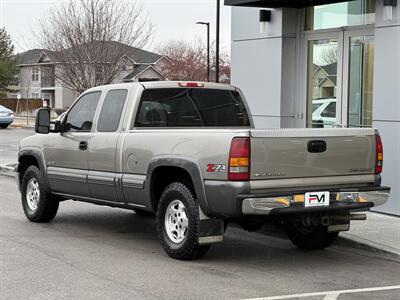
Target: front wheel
37 205
311 237
177 223
4 126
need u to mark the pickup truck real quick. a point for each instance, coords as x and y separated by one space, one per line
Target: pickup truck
189 153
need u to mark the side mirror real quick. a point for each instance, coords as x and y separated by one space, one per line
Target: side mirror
42 124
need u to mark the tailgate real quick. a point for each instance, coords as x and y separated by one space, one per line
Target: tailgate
296 153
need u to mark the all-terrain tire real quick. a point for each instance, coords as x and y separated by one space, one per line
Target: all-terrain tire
188 248
38 206
314 238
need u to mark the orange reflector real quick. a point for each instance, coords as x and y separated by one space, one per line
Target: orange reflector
380 156
239 162
298 198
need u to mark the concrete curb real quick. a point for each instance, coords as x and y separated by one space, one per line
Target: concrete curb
348 239
8 169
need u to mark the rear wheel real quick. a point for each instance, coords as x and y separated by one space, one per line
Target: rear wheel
4 126
177 223
311 237
37 205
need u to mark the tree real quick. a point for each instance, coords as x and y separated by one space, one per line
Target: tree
188 61
329 54
89 39
7 62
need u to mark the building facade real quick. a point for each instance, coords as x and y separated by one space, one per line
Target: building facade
344 55
37 69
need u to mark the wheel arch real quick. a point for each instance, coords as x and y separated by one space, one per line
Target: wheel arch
31 157
181 165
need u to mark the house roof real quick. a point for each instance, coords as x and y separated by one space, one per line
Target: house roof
138 69
330 71
139 56
32 56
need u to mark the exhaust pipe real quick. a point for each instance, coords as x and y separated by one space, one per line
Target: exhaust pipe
350 217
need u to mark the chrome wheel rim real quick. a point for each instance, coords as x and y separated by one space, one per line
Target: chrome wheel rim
32 194
176 221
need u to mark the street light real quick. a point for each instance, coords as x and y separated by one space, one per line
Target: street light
217 42
208 47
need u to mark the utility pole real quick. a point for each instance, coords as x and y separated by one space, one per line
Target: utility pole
208 47
217 42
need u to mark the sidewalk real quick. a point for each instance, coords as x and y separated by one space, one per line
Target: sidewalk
22 122
378 231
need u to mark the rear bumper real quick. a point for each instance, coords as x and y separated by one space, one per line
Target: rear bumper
343 199
6 120
227 199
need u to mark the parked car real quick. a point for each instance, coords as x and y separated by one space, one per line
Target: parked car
6 117
324 112
189 153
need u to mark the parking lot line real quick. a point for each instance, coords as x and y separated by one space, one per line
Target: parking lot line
331 295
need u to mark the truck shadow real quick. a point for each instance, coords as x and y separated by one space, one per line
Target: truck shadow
256 250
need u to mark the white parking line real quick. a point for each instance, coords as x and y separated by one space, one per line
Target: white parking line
330 295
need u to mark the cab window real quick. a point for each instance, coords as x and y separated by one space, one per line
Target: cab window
111 111
186 107
80 117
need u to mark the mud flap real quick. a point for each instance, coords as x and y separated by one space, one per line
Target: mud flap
211 230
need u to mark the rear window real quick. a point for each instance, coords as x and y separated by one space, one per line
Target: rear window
185 107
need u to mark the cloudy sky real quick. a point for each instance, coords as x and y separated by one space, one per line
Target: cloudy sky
172 19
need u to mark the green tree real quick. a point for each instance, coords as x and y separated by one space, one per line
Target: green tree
7 61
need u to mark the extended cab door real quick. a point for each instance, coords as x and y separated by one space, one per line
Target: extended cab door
66 153
103 177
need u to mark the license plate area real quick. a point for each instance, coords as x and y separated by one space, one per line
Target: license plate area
314 199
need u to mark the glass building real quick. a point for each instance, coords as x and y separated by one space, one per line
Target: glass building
322 63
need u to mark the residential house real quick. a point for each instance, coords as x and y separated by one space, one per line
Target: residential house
37 78
324 81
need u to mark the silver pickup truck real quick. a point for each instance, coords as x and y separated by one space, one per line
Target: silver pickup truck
189 153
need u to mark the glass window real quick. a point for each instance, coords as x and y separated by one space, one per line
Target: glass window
351 13
111 110
80 117
35 74
322 81
180 107
361 71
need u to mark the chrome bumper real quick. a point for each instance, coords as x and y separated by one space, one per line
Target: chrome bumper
344 200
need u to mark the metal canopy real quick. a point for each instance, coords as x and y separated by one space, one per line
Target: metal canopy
279 3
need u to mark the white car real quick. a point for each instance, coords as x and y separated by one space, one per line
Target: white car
324 113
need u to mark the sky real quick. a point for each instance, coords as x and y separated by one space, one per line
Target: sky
172 19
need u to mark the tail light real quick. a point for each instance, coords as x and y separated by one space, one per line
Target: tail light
239 159
10 114
379 154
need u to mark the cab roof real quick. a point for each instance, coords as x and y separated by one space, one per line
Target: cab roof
164 84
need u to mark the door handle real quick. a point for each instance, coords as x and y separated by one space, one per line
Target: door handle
83 145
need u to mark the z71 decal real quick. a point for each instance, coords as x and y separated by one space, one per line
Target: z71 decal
212 168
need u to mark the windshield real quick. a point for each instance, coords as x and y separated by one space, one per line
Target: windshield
188 107
315 106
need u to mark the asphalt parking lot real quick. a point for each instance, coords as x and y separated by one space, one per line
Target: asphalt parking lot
94 252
